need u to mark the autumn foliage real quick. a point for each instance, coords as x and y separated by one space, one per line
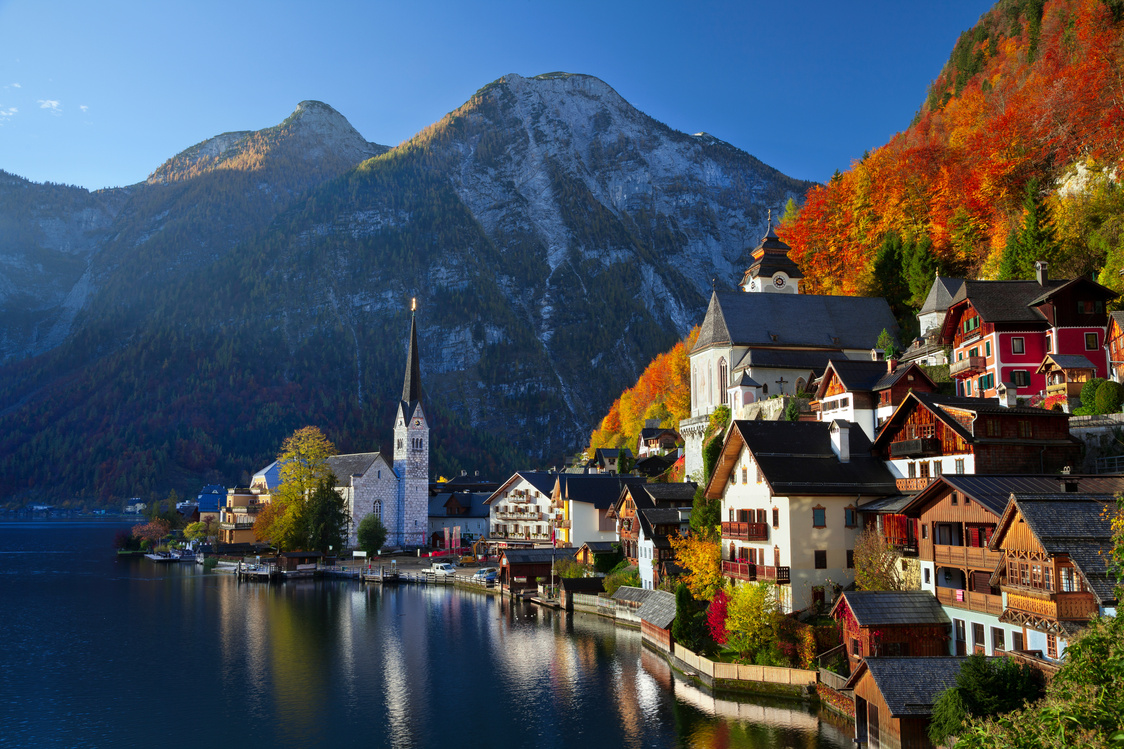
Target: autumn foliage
663 392
1035 89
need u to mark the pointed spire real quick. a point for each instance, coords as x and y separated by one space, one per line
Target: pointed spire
411 388
769 233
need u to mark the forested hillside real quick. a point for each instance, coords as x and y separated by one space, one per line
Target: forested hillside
1013 156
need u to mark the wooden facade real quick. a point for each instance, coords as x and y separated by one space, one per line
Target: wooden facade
880 729
894 699
904 640
1114 341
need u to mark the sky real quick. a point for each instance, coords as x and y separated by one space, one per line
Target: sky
99 94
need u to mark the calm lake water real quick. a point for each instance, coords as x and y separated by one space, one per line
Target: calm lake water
102 652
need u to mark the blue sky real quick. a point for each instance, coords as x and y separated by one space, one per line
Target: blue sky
99 94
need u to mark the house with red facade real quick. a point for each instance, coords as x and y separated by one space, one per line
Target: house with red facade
1000 331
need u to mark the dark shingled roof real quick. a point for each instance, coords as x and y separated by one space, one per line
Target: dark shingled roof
859 375
411 386
543 481
828 322
1006 301
910 686
788 359
536 556
889 608
346 466
635 595
1070 361
650 517
591 585
941 294
1074 524
796 458
993 491
673 492
473 500
599 489
770 256
658 609
600 547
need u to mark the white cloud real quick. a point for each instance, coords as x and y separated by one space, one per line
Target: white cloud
54 106
6 114
83 107
16 85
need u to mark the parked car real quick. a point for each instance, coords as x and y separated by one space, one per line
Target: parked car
485 574
443 568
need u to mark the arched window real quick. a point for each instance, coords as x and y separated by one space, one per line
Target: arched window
723 381
801 383
709 385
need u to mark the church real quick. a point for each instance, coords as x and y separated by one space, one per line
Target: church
769 339
393 484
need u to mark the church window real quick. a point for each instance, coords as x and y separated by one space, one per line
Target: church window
723 381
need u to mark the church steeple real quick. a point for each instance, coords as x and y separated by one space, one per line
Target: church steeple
772 269
411 388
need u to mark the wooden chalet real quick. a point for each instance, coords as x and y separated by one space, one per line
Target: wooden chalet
1001 331
894 699
891 623
1114 342
589 552
957 516
520 569
636 496
930 435
866 392
568 586
1066 374
1055 551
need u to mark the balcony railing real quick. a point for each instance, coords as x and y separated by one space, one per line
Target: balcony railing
1059 606
913 485
519 514
967 366
562 522
917 448
984 603
1068 389
966 556
746 531
752 572
905 548
236 526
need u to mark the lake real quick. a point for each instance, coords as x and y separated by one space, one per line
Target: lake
105 652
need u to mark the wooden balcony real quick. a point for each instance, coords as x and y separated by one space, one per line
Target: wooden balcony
753 572
746 531
1059 606
966 556
562 522
918 448
967 366
913 485
984 603
236 526
1068 389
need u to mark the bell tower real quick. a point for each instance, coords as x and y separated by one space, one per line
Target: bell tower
411 452
772 270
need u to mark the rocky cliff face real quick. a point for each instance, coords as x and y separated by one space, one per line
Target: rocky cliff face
556 237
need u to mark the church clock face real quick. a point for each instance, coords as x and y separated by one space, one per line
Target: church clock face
417 422
779 281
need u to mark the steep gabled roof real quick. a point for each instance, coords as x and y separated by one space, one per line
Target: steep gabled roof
599 489
543 481
941 294
993 491
1077 525
910 686
1066 361
658 609
891 608
784 320
796 458
353 464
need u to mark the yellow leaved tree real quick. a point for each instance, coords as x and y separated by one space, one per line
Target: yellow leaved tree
702 560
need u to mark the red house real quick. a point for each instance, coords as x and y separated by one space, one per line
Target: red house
1001 331
891 623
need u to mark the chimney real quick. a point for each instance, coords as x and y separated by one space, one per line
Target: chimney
876 354
841 440
891 365
1006 392
1041 270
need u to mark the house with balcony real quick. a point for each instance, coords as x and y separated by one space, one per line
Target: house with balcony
653 546
520 511
790 495
957 516
1114 345
581 504
1053 569
238 513
1066 374
930 435
1001 331
656 440
902 624
867 392
634 497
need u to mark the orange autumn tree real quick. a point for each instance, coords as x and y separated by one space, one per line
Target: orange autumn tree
702 561
662 392
1035 91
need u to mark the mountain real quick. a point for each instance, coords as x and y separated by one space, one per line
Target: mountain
555 237
1025 119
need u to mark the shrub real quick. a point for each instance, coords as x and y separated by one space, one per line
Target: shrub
209 564
1108 397
1089 391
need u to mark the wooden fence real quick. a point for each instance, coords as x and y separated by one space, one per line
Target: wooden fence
742 672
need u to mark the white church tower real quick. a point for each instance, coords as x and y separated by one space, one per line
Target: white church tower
411 454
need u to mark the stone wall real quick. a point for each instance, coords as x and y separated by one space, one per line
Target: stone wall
1103 436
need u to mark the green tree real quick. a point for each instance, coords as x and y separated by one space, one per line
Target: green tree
887 278
984 687
752 618
886 343
1029 241
689 626
919 268
371 534
325 518
706 515
1089 392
